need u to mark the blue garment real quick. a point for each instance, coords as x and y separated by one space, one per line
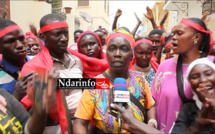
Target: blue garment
7 82
150 76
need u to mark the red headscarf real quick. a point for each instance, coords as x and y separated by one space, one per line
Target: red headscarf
153 63
101 54
91 66
32 36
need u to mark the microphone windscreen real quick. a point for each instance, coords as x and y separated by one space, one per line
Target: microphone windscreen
120 84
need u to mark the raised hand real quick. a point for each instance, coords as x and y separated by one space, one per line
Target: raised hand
21 86
138 19
33 29
49 97
149 14
204 18
164 18
45 89
118 13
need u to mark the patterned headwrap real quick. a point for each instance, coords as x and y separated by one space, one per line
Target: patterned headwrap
120 33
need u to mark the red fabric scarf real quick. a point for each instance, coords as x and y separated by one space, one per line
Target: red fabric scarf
91 66
101 54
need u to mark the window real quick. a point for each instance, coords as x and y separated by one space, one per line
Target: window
83 2
208 5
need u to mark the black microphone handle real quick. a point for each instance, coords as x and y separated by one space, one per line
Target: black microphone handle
119 116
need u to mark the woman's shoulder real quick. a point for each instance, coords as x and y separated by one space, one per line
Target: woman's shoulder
135 73
167 65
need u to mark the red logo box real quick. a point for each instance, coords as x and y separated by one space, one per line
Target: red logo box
102 83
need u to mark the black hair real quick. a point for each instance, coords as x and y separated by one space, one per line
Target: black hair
98 30
78 31
49 18
5 23
142 38
89 34
126 29
156 31
204 47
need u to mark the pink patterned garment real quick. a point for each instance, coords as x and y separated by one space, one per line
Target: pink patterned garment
164 90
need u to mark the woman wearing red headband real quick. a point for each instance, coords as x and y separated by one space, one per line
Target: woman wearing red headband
191 40
95 103
143 54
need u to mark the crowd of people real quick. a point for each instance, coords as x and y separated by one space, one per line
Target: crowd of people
170 77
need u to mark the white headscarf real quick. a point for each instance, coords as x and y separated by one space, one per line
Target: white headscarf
204 61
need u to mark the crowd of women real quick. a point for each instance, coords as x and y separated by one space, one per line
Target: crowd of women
170 77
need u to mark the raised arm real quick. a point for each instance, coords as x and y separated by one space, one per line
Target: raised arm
149 15
37 122
163 21
118 14
137 26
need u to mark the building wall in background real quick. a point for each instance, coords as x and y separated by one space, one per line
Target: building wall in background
28 12
96 15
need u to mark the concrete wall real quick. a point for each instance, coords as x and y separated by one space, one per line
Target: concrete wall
28 12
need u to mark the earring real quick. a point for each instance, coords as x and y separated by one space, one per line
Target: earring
195 41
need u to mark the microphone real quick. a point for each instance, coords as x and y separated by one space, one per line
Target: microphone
121 95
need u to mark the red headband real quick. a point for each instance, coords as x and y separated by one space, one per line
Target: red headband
9 29
161 27
194 25
168 44
54 25
126 36
30 35
143 41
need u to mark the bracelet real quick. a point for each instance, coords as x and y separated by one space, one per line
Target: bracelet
153 121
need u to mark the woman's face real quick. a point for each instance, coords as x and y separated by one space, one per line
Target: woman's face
169 52
202 77
33 46
119 54
89 46
143 54
182 39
